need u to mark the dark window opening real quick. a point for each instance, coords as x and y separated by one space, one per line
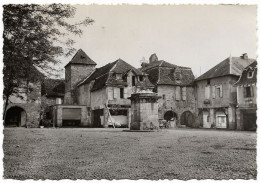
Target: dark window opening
250 74
248 92
121 92
208 82
163 96
133 80
141 78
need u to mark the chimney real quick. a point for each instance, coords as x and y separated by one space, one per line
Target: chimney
244 56
153 58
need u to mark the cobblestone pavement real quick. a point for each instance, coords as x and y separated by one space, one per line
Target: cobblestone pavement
80 153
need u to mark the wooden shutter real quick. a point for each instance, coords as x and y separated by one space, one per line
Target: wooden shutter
220 91
178 93
213 91
207 92
244 90
116 92
251 90
183 93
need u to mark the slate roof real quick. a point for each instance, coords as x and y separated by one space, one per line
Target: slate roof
81 58
229 66
53 87
102 76
164 73
244 80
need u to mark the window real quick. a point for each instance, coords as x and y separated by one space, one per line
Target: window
133 80
183 93
178 75
219 91
121 92
141 78
250 74
248 92
118 76
163 96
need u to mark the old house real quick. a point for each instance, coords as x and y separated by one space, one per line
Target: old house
216 94
95 97
33 100
174 84
246 98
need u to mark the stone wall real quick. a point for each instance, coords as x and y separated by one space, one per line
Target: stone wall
30 102
85 114
168 101
73 74
229 92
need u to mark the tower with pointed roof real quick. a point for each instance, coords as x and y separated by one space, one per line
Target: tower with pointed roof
80 66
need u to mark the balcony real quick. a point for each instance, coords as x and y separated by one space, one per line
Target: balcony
206 101
121 102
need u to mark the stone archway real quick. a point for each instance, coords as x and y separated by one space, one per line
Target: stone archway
169 115
187 118
15 116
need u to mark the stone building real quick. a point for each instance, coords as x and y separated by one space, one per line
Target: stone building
216 94
33 97
246 98
174 84
99 95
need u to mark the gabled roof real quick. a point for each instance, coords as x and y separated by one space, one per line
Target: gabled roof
53 87
244 79
102 77
81 58
164 73
229 66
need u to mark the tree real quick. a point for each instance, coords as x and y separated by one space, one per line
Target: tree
34 37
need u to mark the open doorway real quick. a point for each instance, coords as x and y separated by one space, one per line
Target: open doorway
15 116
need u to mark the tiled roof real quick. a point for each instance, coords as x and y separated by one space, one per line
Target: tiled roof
102 76
164 73
244 79
229 66
81 58
53 87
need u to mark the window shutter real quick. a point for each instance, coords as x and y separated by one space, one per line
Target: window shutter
183 93
251 90
178 92
125 93
221 91
115 92
207 92
244 90
213 91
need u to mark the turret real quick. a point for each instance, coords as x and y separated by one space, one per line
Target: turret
80 66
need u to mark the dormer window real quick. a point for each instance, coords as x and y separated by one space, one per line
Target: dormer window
178 75
250 74
141 78
118 76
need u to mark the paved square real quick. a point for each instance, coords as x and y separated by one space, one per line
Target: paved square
79 153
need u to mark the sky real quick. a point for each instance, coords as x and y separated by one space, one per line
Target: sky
195 36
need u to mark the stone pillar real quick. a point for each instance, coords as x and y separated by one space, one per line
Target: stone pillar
212 115
106 116
144 107
232 118
129 115
239 120
84 121
59 116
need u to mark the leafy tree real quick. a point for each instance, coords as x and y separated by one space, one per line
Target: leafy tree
35 36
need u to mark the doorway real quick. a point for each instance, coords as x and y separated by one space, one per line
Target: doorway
15 116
